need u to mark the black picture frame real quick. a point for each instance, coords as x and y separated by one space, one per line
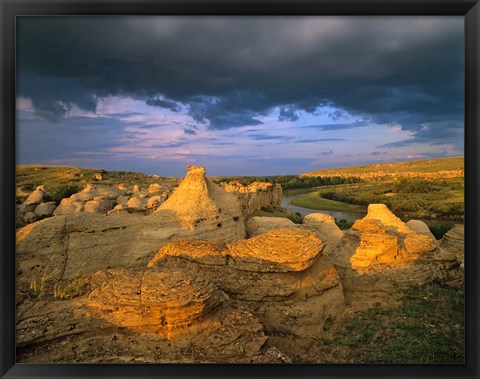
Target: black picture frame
9 9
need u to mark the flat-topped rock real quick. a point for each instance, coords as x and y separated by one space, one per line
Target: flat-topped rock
280 250
282 274
204 252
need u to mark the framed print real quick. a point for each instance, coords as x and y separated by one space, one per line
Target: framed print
245 189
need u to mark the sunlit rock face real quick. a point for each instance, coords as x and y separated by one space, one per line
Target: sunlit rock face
168 302
255 196
76 244
281 275
380 250
201 205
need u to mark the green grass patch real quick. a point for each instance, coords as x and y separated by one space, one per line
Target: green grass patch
427 328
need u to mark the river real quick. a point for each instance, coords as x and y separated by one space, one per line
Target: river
349 216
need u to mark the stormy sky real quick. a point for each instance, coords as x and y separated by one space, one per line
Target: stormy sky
239 95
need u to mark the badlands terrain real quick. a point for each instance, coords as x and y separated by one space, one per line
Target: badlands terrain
165 271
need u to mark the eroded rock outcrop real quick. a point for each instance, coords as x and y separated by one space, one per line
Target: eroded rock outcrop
255 196
380 252
166 302
198 203
282 275
76 244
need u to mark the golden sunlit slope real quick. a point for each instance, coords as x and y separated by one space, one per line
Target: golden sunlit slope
453 164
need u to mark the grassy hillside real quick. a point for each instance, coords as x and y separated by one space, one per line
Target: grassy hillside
418 166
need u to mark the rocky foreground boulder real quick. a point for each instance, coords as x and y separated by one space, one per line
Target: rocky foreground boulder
280 276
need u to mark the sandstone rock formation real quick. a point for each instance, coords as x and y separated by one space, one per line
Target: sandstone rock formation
420 227
326 229
454 242
167 302
76 244
37 196
26 211
45 209
255 196
282 281
75 331
380 252
282 276
106 199
199 203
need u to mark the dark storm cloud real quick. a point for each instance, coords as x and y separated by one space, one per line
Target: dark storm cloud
168 104
288 113
436 133
229 71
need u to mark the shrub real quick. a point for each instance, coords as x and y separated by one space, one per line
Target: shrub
343 224
440 229
297 218
62 192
